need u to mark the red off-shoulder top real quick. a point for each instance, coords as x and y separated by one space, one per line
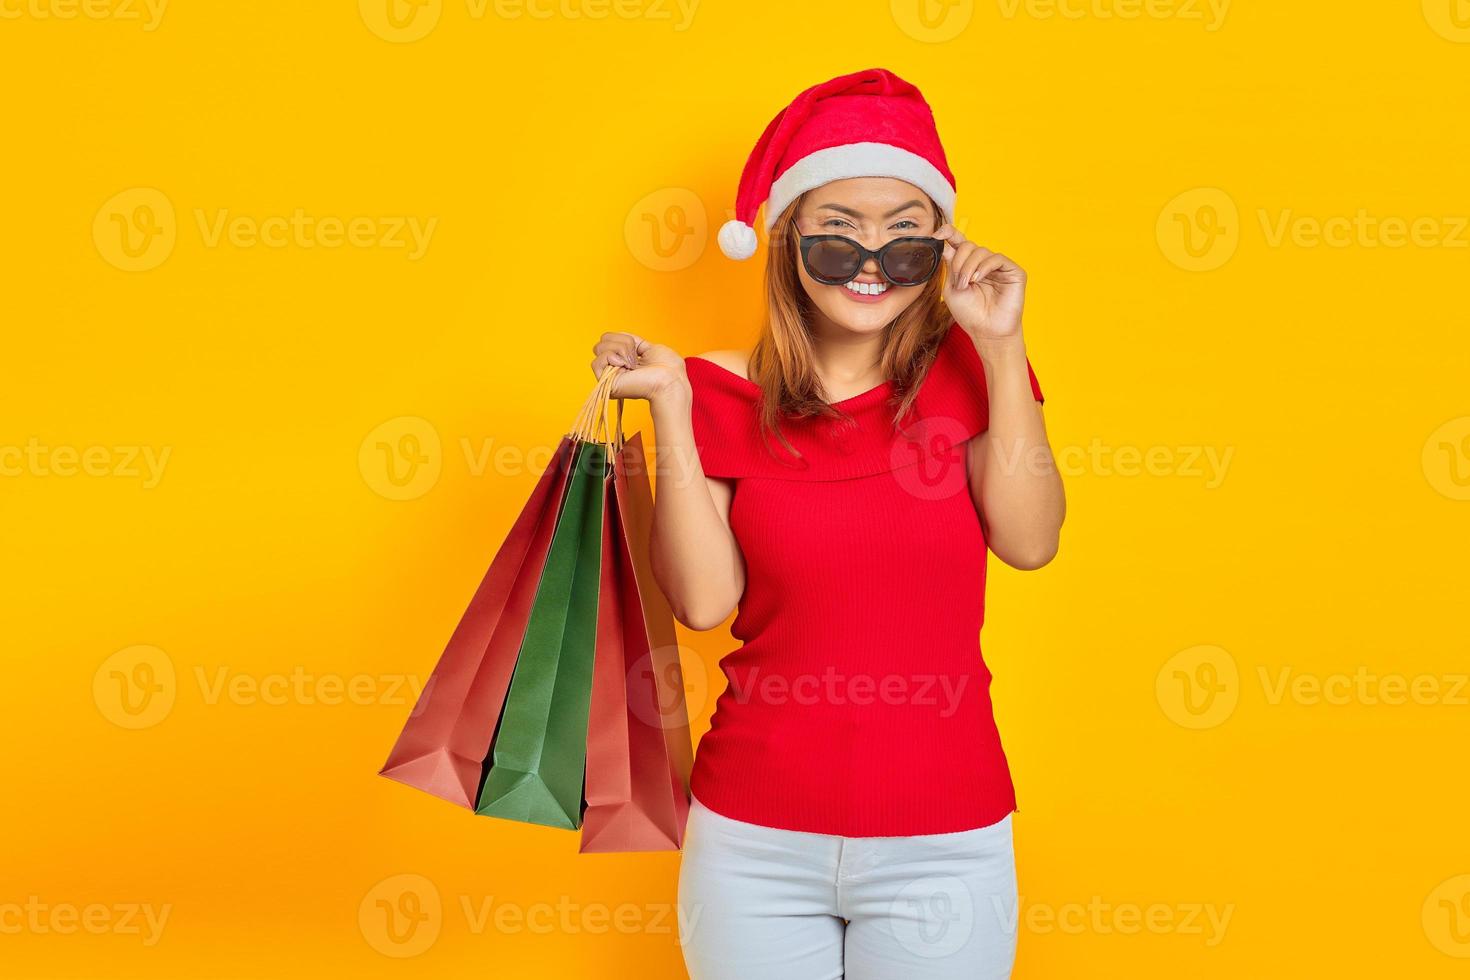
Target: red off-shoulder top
858 702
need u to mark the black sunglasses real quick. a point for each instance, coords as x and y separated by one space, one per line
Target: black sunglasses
833 260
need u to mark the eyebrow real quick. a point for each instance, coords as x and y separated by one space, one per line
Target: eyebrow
858 214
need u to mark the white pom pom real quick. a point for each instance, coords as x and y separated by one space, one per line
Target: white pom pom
737 239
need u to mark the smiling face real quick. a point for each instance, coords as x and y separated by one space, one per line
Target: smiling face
872 211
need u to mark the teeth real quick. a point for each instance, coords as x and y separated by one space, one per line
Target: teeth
868 288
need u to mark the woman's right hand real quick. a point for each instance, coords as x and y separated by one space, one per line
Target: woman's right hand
651 369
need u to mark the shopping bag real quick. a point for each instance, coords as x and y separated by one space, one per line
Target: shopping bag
442 747
638 742
538 756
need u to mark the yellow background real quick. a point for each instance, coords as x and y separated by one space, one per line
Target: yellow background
1139 161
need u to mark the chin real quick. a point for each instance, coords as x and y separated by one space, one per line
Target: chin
860 317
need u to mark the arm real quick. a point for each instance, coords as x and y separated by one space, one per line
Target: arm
1013 476
693 553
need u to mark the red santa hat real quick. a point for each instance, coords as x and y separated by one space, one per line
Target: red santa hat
867 124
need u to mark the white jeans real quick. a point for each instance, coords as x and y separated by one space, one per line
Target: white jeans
762 903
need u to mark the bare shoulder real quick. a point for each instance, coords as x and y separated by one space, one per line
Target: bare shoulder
734 361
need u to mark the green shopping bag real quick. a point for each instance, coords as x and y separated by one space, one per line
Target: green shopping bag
539 754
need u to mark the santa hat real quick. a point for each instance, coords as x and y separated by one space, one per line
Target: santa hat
868 124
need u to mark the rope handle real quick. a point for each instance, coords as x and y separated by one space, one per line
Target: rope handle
593 423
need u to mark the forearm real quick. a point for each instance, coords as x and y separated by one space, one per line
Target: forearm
695 558
1020 492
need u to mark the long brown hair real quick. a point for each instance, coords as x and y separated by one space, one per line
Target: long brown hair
781 362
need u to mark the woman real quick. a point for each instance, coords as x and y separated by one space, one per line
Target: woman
841 483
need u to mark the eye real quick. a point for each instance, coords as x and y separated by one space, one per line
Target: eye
906 224
836 223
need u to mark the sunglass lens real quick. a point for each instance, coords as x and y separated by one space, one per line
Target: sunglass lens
835 260
910 263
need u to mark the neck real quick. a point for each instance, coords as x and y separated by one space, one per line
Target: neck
846 361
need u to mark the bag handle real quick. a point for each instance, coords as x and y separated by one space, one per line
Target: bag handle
592 423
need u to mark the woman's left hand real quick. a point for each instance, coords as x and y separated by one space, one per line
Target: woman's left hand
984 290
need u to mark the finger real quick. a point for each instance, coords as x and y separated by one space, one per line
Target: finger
973 255
632 346
984 268
610 352
624 340
982 255
955 256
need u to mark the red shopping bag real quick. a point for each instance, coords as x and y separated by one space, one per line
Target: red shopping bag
443 745
638 742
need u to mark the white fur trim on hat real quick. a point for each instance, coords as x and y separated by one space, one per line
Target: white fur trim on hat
737 239
855 160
